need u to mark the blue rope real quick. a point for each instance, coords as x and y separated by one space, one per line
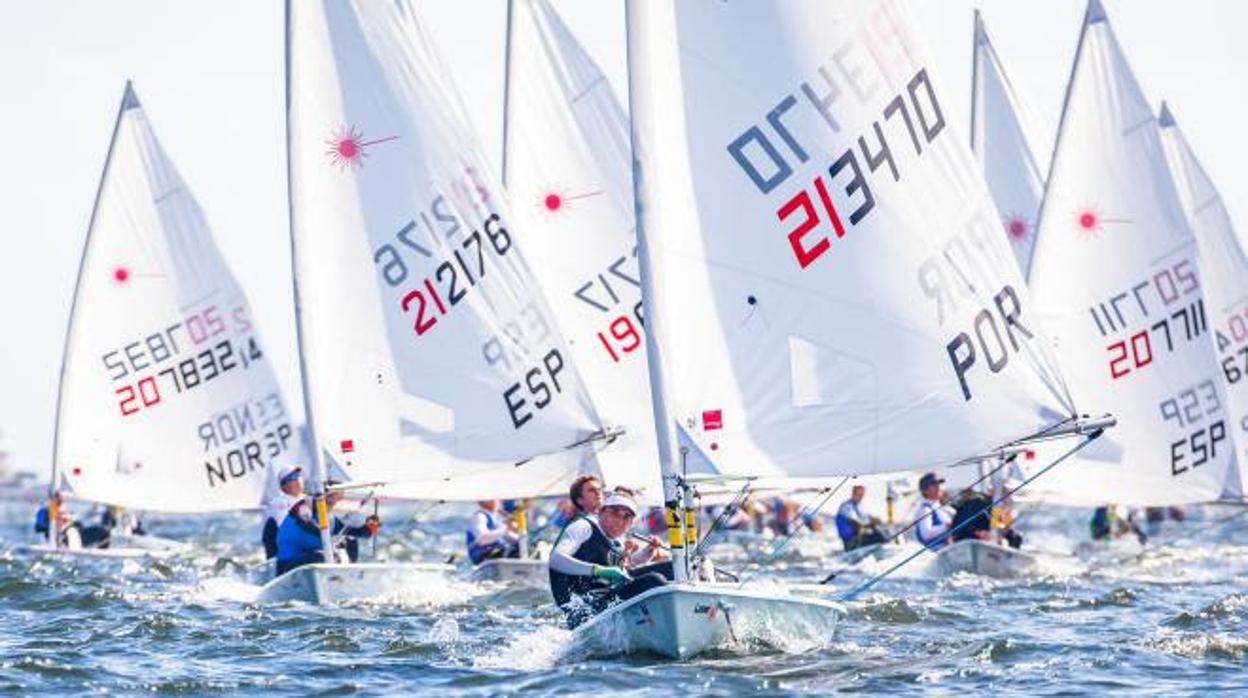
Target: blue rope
856 591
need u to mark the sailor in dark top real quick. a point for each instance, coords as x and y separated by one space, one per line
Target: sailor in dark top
587 565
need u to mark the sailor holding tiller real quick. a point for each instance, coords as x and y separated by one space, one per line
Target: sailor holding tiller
588 566
934 517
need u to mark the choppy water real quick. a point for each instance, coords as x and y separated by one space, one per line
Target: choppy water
1170 621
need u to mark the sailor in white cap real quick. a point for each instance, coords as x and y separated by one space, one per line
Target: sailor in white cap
278 504
588 565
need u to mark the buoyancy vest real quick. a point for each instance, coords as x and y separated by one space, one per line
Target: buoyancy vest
596 550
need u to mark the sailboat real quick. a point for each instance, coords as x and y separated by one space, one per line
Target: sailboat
1001 141
167 401
1224 273
1117 279
433 367
825 286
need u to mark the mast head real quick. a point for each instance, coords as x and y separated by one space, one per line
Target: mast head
1164 118
129 99
1095 13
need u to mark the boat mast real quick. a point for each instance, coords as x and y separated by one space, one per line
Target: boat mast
507 88
128 101
316 479
673 478
521 515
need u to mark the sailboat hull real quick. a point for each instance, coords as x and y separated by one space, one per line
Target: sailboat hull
155 543
985 559
681 621
110 553
327 583
531 572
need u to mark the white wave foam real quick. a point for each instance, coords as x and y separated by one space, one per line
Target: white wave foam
532 651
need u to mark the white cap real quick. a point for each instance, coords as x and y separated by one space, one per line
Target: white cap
286 471
616 499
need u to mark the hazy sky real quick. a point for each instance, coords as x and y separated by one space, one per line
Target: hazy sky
209 73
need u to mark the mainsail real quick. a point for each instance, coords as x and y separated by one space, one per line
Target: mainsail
828 290
566 168
1116 279
1224 272
167 400
1002 143
430 355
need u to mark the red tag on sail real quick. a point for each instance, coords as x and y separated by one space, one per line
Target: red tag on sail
712 420
347 445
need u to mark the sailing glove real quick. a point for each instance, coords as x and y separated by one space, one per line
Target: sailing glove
614 575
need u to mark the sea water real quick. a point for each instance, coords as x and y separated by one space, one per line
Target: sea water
1169 620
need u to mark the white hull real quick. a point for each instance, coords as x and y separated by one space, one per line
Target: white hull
114 553
126 540
986 559
530 572
326 583
681 620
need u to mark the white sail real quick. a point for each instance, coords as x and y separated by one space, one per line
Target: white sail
1116 279
1224 272
167 400
567 171
1001 141
430 355
831 293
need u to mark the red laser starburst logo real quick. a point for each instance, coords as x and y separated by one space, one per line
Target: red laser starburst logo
1017 228
121 274
553 201
1090 222
348 148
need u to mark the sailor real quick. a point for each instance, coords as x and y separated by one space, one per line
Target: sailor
934 518
588 566
586 494
276 506
73 534
782 515
972 516
489 536
1108 524
118 520
856 528
299 538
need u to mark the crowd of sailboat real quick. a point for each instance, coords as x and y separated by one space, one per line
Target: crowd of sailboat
774 265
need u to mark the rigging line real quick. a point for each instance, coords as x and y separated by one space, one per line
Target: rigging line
806 514
736 502
854 592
